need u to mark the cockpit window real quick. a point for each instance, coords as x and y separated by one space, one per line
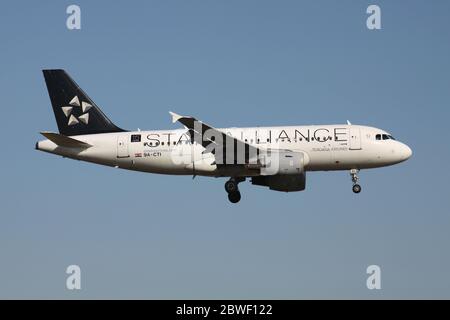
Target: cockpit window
384 136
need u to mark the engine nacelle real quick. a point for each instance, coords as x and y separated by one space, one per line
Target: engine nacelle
282 170
283 162
287 183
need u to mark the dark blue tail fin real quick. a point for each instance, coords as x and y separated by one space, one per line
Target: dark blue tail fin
75 112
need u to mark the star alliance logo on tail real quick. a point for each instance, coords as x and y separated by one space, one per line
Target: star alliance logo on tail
73 120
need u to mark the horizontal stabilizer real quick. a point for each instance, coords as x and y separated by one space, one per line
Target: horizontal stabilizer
65 141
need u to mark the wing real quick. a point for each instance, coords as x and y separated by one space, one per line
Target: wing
227 150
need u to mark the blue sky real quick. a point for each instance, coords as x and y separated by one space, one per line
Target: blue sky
230 63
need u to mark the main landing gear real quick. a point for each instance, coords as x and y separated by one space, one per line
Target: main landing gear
231 187
354 174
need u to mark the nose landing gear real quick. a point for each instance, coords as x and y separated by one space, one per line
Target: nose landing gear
231 187
354 174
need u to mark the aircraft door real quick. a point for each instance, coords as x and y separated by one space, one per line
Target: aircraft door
355 138
122 146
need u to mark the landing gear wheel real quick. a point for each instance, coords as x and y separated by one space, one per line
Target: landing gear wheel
354 174
231 186
234 197
356 188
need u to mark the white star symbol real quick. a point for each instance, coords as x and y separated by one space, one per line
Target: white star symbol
75 102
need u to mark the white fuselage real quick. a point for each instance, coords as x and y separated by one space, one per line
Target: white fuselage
325 147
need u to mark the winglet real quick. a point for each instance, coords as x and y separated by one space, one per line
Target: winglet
349 123
175 117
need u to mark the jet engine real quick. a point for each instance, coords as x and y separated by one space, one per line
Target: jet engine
282 170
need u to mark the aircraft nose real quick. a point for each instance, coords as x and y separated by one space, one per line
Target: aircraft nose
405 152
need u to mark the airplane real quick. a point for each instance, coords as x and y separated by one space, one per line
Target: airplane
274 157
